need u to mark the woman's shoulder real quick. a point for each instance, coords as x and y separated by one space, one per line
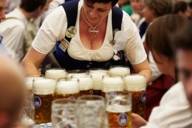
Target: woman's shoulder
58 12
127 23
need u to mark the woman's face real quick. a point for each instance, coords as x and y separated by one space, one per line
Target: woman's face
164 64
137 5
148 13
96 12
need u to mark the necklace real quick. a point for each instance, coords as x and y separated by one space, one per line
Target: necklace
94 30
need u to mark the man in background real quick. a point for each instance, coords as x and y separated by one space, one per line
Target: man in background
3 49
13 28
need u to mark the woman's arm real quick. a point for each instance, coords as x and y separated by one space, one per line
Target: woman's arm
32 61
143 69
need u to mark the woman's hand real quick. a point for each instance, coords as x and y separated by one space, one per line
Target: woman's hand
144 70
137 120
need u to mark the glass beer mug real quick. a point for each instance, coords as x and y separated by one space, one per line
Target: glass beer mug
136 85
64 113
85 85
90 111
118 103
67 89
43 90
97 77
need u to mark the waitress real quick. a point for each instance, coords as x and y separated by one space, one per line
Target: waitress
94 43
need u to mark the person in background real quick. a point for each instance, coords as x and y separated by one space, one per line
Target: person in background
13 28
137 6
174 109
11 5
182 45
3 49
160 82
12 93
125 5
181 8
93 45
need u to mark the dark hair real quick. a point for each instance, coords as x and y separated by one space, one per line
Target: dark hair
180 6
32 5
114 2
158 34
160 7
183 39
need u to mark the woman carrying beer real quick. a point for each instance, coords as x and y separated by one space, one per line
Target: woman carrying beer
99 35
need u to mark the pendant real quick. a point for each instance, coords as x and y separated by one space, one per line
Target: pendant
93 30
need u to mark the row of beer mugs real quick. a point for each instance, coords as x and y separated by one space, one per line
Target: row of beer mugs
84 77
135 84
44 90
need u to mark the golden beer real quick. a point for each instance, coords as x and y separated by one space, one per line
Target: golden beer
67 89
72 96
136 84
42 108
119 116
138 102
99 93
43 96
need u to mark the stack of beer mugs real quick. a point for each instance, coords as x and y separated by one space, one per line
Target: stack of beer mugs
118 103
136 85
115 84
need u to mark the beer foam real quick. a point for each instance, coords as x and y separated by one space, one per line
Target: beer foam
76 75
135 83
85 83
119 71
112 84
55 74
97 78
117 108
67 87
44 86
29 81
100 71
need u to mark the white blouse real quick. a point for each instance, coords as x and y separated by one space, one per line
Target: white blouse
54 28
174 110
